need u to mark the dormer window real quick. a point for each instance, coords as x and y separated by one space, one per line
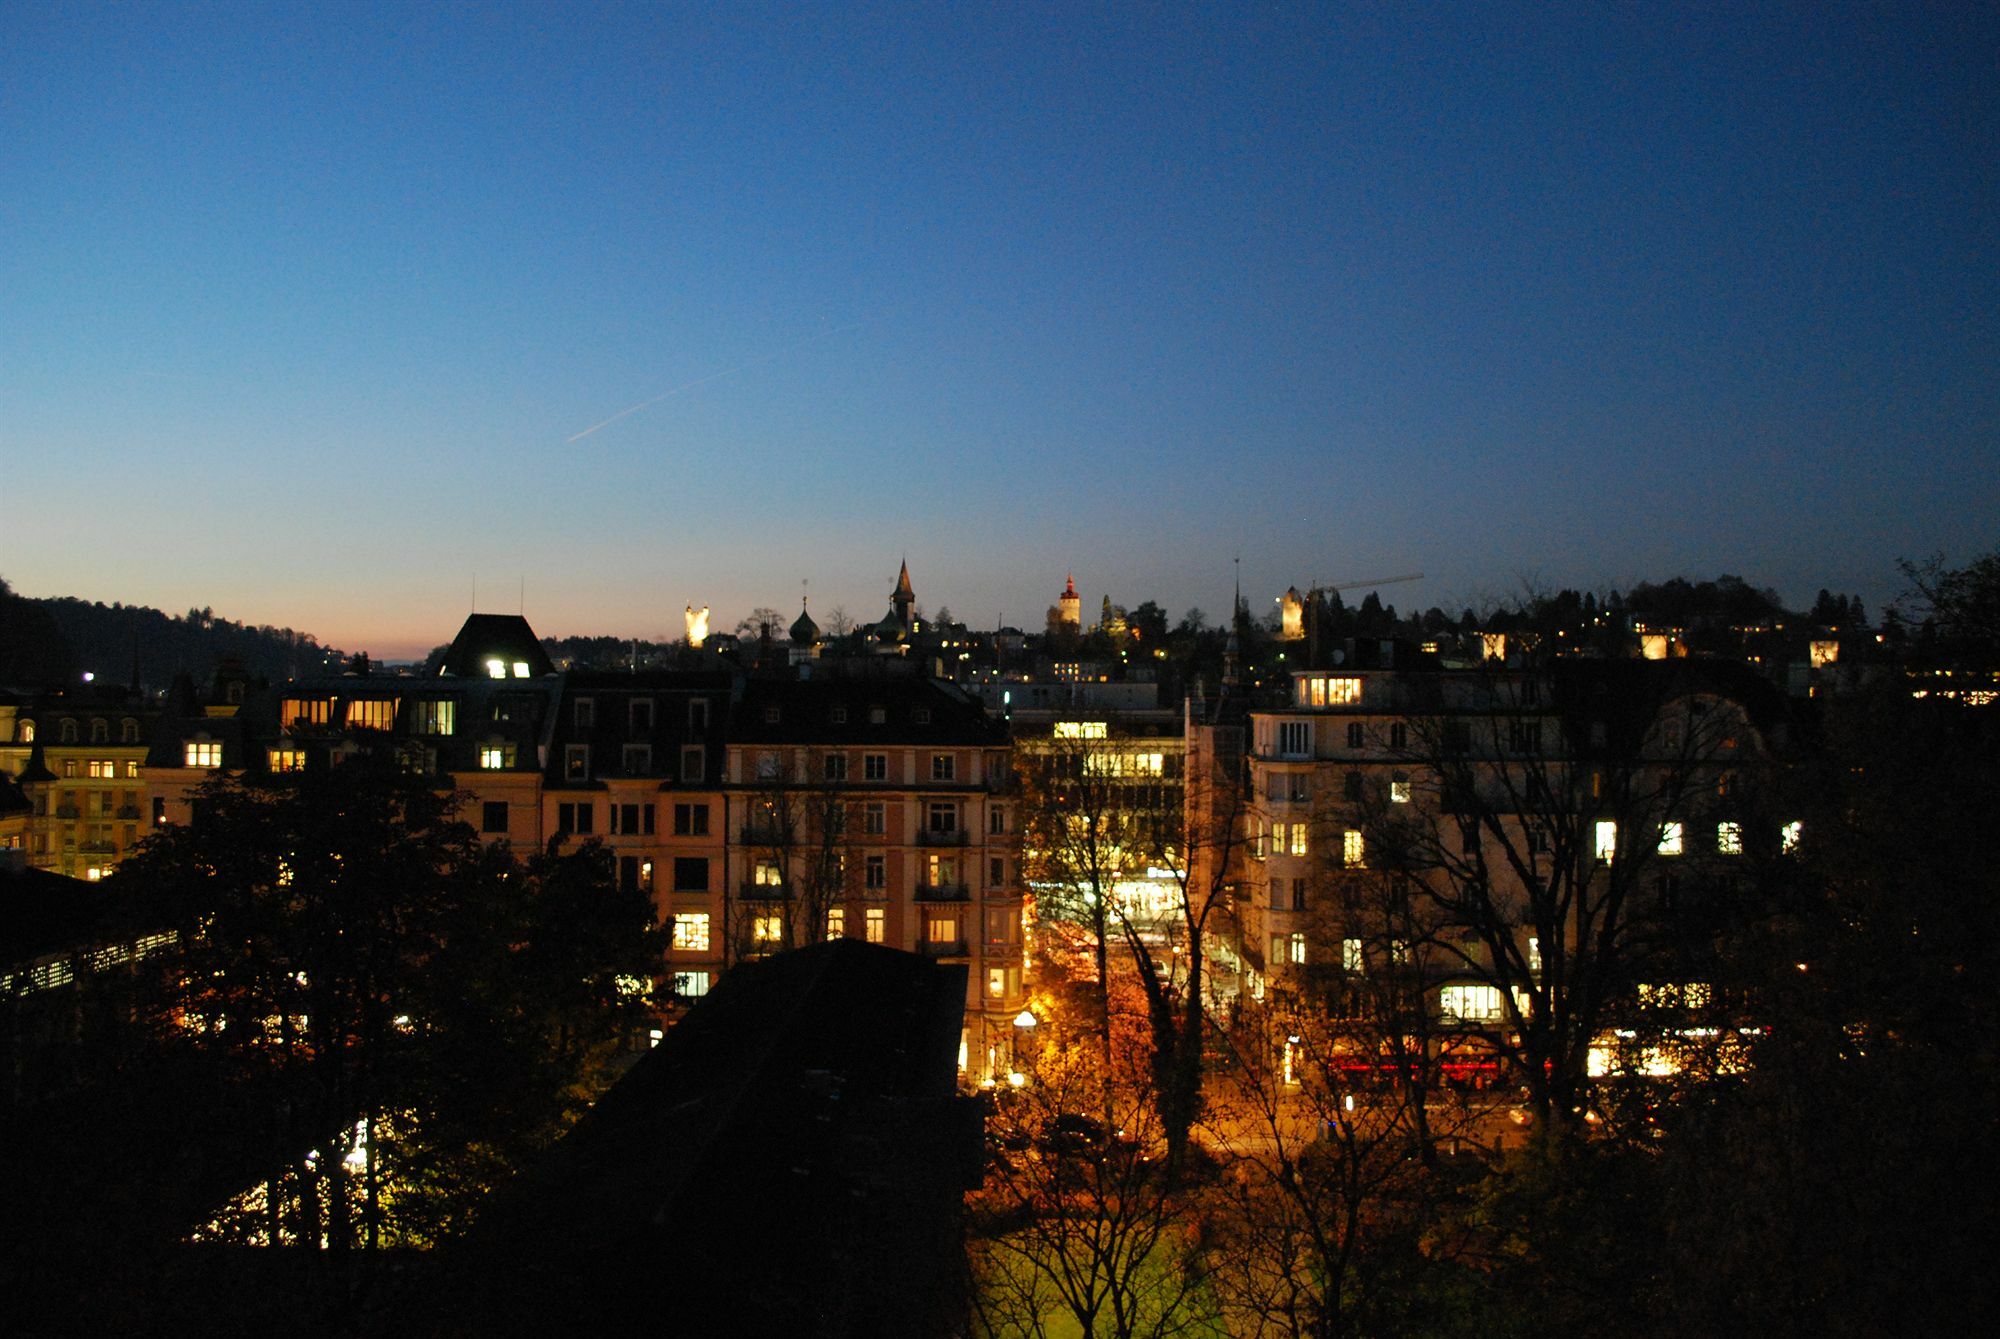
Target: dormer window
520 669
496 668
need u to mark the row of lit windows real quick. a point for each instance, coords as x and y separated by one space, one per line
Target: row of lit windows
100 769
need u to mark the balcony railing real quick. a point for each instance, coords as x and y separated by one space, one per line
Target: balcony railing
942 948
129 812
765 892
942 892
943 836
766 834
66 811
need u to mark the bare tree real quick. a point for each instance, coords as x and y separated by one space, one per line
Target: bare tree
1076 1228
798 836
1545 827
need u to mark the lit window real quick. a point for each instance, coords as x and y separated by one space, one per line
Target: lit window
436 717
1788 837
1399 950
374 713
1353 849
766 874
1729 838
1080 730
1350 955
1321 691
1399 789
1670 839
202 754
1607 840
576 762
1535 955
874 924
691 931
768 929
131 769
1298 846
836 922
104 769
520 669
941 929
305 711
288 760
996 982
1470 1003
496 757
1295 947
496 669
690 985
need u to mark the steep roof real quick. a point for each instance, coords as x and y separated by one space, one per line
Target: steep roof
903 591
503 637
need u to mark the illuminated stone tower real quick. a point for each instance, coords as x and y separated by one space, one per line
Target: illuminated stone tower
1069 609
1292 616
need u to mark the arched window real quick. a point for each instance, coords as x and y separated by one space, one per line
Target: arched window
129 731
69 732
27 732
100 730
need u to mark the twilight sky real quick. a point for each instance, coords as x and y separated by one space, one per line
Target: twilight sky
321 314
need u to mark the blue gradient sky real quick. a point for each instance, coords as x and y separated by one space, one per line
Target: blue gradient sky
299 309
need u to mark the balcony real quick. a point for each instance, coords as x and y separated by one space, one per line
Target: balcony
129 812
942 948
766 834
66 811
944 836
942 892
764 892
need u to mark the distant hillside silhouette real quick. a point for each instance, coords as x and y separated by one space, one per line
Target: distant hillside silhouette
51 641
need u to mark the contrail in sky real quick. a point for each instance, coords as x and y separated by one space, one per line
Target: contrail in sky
703 381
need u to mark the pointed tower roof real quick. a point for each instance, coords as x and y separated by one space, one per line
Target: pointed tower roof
1069 586
903 591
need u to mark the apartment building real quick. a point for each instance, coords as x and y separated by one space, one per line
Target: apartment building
1478 831
76 757
878 805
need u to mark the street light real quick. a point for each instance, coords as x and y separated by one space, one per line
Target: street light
1024 1028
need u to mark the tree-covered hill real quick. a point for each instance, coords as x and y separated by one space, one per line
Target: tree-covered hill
50 641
